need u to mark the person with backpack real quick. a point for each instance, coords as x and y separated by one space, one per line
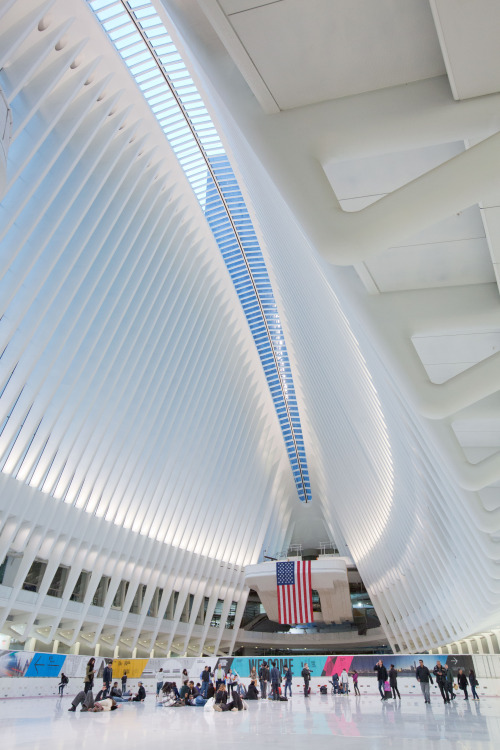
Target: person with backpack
64 681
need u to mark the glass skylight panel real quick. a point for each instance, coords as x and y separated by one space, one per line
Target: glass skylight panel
143 42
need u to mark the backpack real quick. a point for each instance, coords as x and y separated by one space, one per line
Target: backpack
323 690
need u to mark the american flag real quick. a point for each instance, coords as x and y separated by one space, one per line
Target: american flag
293 581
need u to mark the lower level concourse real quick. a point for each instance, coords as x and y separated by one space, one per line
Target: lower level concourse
320 721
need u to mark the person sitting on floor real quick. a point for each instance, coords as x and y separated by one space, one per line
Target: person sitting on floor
185 692
170 687
252 692
118 695
170 695
211 690
141 693
221 703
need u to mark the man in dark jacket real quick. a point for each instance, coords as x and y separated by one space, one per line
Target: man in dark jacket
205 681
449 682
264 679
275 682
424 677
141 693
381 677
107 675
306 674
440 675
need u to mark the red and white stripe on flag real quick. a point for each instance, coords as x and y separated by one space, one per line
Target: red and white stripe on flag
293 582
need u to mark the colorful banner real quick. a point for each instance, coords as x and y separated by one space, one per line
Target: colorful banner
29 664
14 663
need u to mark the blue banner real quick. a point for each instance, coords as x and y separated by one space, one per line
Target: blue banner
45 665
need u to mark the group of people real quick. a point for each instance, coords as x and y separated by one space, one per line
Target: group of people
109 696
444 680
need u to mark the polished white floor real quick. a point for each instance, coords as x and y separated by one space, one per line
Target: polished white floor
314 723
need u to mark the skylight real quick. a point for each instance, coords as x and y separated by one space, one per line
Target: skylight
139 35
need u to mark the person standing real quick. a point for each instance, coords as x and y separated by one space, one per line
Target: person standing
424 677
393 682
264 679
275 682
107 675
62 684
306 675
205 681
159 681
449 682
381 677
355 678
124 682
440 675
473 682
344 681
220 677
288 681
462 683
88 682
232 682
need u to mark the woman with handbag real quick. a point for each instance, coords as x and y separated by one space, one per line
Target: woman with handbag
473 683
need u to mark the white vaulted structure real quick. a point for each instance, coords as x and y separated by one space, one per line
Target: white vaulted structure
249 292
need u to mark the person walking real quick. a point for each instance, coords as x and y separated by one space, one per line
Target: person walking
473 682
264 679
440 675
275 682
424 677
288 681
449 682
462 683
393 682
306 675
381 677
88 682
355 678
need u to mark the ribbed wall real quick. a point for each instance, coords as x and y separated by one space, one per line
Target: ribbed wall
373 463
131 390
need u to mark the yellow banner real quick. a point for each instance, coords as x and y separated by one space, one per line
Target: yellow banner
133 667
